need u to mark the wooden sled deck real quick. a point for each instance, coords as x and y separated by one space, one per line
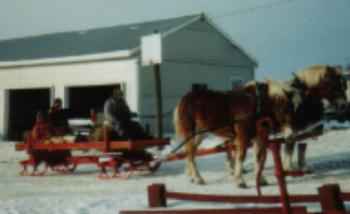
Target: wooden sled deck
99 145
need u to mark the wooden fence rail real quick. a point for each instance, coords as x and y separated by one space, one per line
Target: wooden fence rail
329 196
276 210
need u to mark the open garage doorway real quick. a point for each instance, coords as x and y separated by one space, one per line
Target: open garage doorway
82 99
23 106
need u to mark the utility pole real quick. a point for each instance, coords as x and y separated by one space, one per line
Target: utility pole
151 55
159 100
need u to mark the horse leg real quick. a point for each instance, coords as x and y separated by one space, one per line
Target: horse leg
35 169
25 164
288 155
302 165
188 152
230 161
241 144
192 169
258 153
44 171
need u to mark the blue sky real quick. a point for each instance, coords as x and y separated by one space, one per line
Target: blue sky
283 35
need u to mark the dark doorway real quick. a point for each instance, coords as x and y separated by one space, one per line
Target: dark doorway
23 106
82 99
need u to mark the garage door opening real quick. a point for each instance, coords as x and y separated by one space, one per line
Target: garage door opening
23 106
82 99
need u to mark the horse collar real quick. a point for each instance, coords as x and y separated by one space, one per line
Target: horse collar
258 89
299 84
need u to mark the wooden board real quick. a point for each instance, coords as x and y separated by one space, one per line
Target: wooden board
101 145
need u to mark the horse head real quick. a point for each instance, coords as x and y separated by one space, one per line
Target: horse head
277 101
285 101
322 82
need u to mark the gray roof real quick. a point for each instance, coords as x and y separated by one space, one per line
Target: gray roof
122 37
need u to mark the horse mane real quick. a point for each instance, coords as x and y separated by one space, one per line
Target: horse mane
275 90
313 75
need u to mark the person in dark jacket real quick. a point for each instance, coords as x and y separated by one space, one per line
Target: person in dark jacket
118 117
58 119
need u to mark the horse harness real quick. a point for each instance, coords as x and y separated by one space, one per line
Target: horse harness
258 94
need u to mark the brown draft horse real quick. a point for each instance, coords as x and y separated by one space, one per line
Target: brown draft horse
315 84
231 115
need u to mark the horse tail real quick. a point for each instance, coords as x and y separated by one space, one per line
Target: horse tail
176 122
184 122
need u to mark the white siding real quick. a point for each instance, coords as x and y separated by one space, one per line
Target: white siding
59 77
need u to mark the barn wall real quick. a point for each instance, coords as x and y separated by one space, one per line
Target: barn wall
177 79
196 54
59 77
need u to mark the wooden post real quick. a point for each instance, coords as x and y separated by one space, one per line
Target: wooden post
330 198
159 107
280 175
156 195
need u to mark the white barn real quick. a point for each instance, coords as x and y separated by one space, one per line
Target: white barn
80 67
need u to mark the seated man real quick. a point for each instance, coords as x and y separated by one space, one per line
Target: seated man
58 119
118 117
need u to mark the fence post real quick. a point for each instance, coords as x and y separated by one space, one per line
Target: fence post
262 126
157 195
330 198
280 175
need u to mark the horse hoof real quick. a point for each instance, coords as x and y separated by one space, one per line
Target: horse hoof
201 182
121 176
23 173
264 183
198 181
104 176
242 186
290 167
307 170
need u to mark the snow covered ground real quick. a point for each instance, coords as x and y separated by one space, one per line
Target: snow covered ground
83 193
